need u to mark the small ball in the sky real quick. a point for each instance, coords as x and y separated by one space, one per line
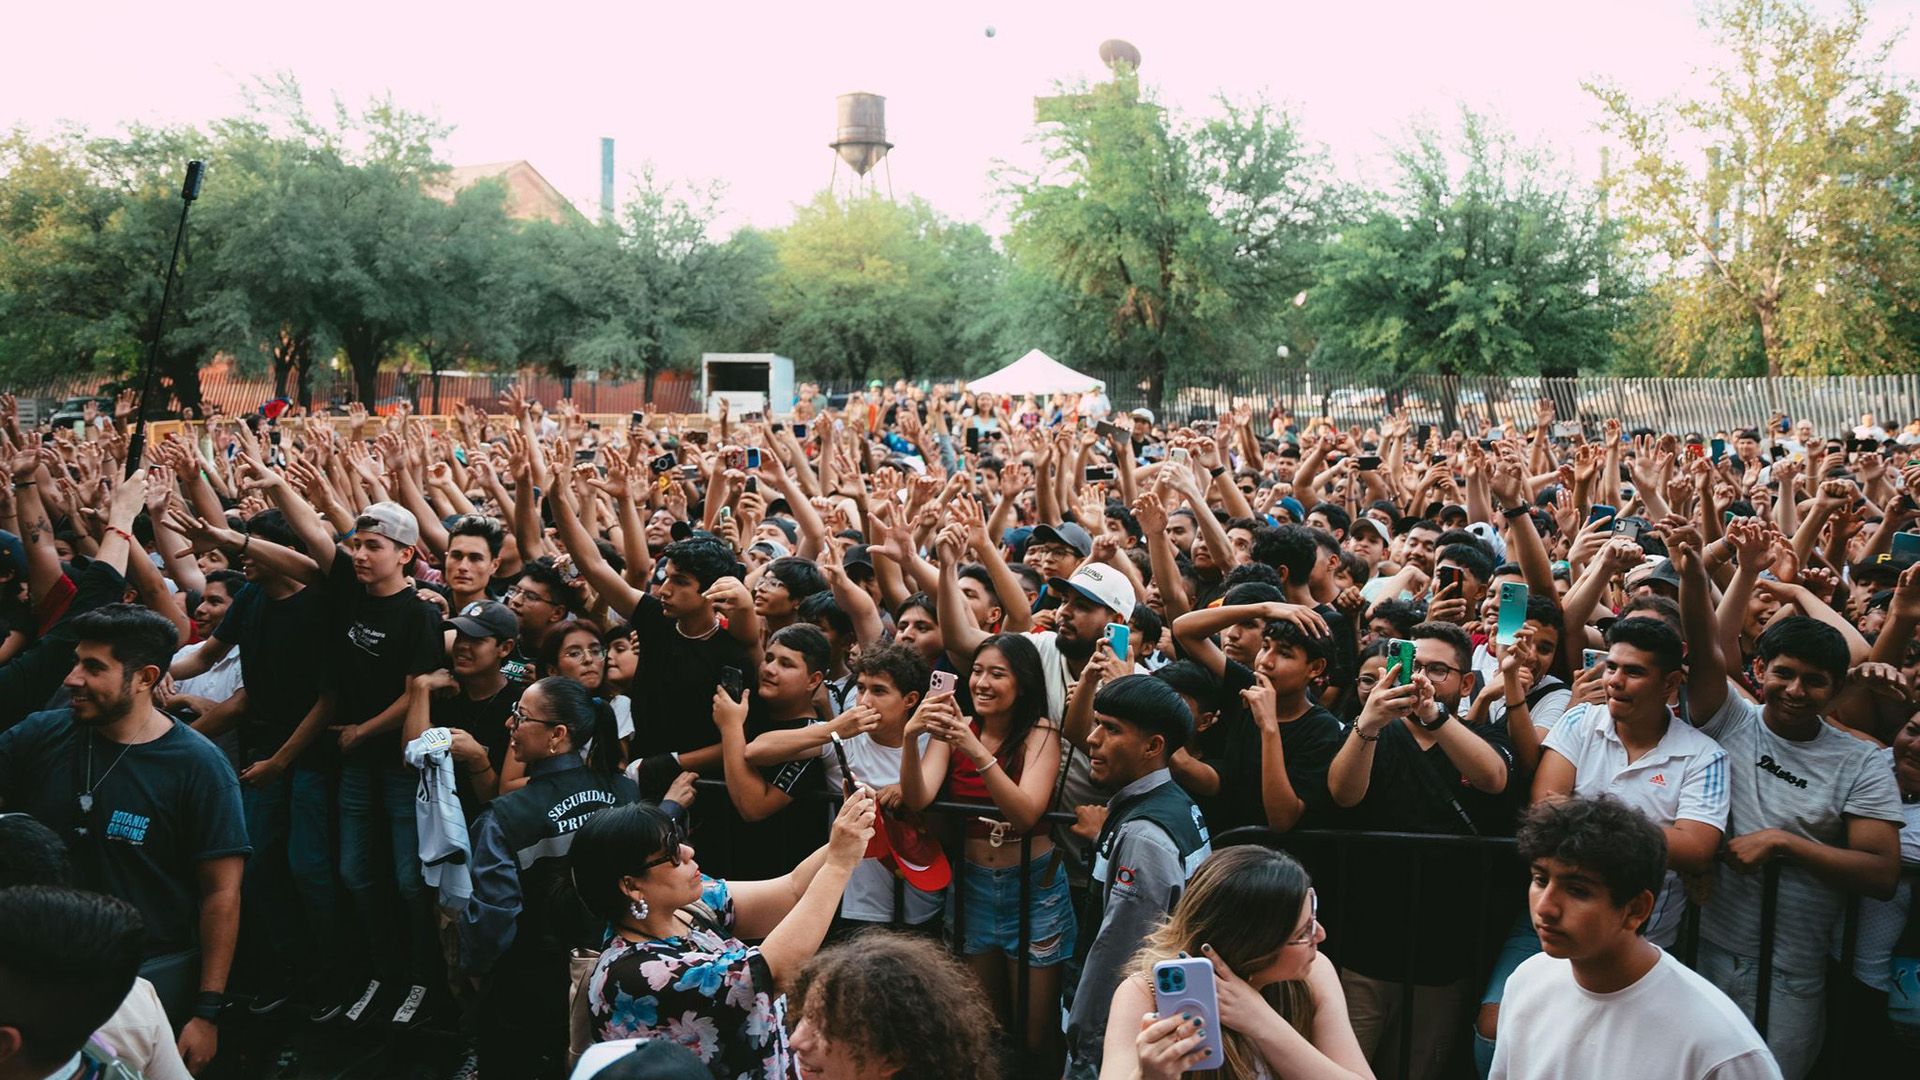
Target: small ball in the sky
989 31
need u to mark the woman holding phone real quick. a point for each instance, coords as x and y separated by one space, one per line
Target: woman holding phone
1008 755
1279 1008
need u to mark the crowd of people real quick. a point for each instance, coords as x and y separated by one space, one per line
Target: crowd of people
914 734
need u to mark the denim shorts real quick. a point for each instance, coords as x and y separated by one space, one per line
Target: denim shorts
1522 942
992 898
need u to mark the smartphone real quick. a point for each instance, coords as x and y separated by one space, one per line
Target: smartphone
1906 544
1695 450
1835 446
273 437
583 456
1718 447
1600 510
1107 429
734 457
753 457
1099 474
1513 611
1179 455
636 420
800 430
1184 987
1590 657
1776 451
1567 429
1627 530
1445 577
696 437
1437 459
753 484
973 440
1367 462
752 417
1117 638
1422 433
847 782
1486 444
726 514
690 472
942 682
1401 654
732 679
665 463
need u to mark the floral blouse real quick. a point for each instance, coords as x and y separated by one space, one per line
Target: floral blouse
711 994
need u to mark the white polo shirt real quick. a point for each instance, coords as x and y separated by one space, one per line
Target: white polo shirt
1684 777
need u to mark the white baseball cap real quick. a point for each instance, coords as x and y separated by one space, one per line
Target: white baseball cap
1101 584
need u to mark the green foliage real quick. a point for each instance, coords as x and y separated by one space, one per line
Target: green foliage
1792 243
866 287
1164 249
1486 260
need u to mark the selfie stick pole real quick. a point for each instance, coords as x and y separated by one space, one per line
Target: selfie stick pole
136 447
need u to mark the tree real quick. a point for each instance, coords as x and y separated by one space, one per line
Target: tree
1159 248
1487 259
867 286
1793 242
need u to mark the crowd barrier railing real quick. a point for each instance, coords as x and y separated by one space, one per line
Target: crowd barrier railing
1492 853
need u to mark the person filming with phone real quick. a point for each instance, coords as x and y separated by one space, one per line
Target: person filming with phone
1277 1008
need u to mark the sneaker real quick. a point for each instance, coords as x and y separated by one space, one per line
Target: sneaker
468 1067
362 1008
267 998
328 995
412 1009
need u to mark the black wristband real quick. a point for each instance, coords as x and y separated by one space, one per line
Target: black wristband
1438 722
209 1005
1512 513
1216 473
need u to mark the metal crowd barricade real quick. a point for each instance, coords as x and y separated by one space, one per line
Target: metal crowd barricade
1345 845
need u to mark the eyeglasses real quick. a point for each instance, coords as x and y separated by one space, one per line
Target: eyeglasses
518 716
584 652
528 594
1313 921
1366 682
674 841
1436 670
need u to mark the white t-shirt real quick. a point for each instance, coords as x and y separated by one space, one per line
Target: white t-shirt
217 683
1881 921
1684 777
138 1032
869 895
1669 1023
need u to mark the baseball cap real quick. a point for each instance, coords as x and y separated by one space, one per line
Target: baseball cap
391 520
639 1059
773 548
488 619
911 852
13 554
858 556
1101 584
1068 533
1371 526
1656 568
1294 507
1142 414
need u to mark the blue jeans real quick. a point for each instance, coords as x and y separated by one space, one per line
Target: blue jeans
291 905
379 854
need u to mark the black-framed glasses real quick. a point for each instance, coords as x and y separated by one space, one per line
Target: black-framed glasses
529 594
1435 670
518 715
674 842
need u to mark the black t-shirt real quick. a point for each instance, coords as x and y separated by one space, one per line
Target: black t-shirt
1232 748
773 846
278 640
673 696
486 720
1414 790
1344 664
158 810
379 642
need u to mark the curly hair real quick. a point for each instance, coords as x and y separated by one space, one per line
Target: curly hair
902 1000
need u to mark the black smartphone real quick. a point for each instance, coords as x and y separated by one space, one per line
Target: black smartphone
734 682
1422 433
1107 428
973 440
696 437
273 437
753 483
1436 459
665 463
636 420
800 430
1776 452
1367 462
1486 444
847 781
1447 577
580 456
1097 474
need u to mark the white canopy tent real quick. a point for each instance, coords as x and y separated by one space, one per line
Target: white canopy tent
1038 374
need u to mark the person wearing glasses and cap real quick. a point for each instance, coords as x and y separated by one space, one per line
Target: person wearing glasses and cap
524 917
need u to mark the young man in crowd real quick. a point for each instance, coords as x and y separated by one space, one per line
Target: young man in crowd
473 559
779 816
891 680
152 809
1602 1000
67 959
1803 792
473 697
1152 840
542 600
1411 763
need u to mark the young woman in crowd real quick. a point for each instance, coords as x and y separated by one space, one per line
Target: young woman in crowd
1007 755
677 965
1281 1008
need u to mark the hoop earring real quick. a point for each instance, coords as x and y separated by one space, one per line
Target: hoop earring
638 909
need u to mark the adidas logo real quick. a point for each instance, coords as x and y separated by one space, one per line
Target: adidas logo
1658 779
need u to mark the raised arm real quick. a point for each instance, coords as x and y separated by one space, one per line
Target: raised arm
619 594
1706 670
1006 586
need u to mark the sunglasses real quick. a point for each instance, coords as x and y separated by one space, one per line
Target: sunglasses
674 841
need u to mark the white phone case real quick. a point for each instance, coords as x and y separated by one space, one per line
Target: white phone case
1185 987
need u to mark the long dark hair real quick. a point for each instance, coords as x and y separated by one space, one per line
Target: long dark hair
1029 697
586 717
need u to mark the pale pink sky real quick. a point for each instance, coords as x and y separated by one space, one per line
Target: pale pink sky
744 91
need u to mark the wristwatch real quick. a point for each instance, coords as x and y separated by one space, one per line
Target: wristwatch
209 1006
1437 722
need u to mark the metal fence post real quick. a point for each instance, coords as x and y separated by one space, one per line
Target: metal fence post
1769 915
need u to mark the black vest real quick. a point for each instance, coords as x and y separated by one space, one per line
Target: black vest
538 822
1167 805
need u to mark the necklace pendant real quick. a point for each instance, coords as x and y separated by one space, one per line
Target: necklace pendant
86 802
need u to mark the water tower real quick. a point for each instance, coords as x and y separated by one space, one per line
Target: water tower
860 140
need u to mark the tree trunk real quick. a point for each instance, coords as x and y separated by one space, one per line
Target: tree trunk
1157 385
363 355
1767 311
